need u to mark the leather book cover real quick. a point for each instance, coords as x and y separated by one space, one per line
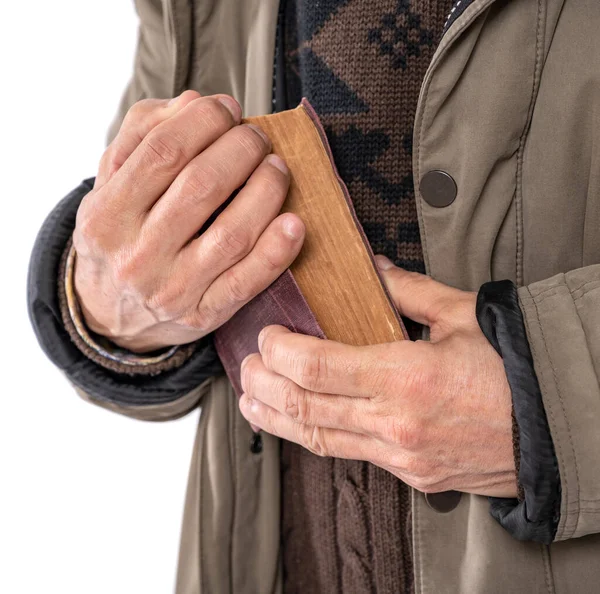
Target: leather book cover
333 289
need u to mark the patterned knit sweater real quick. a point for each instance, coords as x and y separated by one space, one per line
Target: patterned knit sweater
346 524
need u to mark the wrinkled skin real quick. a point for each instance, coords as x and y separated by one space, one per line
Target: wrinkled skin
435 414
143 276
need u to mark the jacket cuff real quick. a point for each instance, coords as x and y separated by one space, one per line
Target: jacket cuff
535 515
99 349
98 381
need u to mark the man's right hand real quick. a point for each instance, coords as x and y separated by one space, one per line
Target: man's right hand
143 276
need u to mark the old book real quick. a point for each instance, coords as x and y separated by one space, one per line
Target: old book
333 289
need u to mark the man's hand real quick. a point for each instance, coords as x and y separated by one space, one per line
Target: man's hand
436 414
143 277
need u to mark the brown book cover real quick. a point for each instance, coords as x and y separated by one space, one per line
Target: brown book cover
333 289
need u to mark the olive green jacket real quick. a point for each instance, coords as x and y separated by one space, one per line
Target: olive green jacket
510 108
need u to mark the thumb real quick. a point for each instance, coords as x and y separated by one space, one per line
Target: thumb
416 296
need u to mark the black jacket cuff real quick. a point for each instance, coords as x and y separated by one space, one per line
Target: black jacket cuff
45 314
536 517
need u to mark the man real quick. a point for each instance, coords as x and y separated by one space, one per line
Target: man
462 463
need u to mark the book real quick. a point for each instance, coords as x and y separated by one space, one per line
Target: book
333 289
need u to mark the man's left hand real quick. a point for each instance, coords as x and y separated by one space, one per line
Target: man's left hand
437 414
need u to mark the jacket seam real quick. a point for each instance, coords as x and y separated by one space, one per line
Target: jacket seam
202 464
234 478
567 423
564 283
419 541
546 560
539 47
585 289
177 67
578 510
585 335
559 291
547 405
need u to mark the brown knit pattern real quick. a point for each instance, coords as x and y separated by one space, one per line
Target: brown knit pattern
346 524
180 356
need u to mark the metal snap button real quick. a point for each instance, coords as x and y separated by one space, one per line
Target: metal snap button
438 188
443 502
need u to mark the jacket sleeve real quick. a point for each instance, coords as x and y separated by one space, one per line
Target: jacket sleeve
562 318
548 334
162 396
175 389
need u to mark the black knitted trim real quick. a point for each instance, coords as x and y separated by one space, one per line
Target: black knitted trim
44 312
535 518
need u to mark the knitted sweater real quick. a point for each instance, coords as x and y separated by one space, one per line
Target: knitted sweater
346 524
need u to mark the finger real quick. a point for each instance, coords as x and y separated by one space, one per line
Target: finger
325 365
140 119
208 181
165 151
273 253
300 405
416 296
318 440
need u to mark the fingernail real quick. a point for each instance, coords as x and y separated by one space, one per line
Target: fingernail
293 227
260 132
277 162
232 106
383 263
173 101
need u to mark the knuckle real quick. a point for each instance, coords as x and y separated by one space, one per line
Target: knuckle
190 94
419 484
211 114
314 440
413 466
165 150
207 318
313 370
271 260
86 229
166 303
128 271
251 141
236 288
424 483
198 183
273 185
406 435
108 157
230 243
291 400
91 234
139 109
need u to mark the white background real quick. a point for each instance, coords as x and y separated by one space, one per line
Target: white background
90 502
